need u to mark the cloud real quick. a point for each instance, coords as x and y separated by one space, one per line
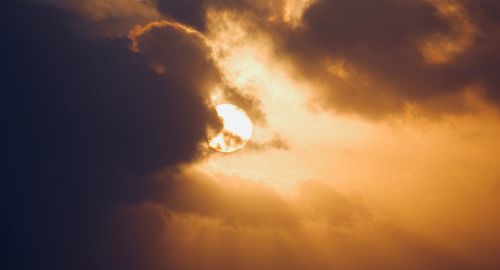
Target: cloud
231 202
110 17
89 121
274 143
231 223
377 58
250 104
178 51
403 56
193 12
101 133
337 209
216 217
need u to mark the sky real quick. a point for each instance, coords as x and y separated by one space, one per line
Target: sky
375 145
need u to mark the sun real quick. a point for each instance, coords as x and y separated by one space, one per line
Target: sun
236 130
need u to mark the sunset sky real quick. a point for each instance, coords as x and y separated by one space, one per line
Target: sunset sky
375 134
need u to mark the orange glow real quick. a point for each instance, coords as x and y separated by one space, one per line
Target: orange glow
443 48
257 134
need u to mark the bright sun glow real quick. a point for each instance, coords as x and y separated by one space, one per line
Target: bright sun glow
236 131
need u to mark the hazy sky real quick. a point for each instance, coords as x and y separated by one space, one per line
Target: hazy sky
376 137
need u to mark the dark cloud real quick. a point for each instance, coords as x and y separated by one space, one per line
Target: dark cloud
88 121
133 237
110 17
174 49
250 104
193 12
177 51
376 57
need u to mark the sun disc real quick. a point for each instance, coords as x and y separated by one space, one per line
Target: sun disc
236 130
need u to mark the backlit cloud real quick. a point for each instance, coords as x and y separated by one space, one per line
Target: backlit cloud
374 140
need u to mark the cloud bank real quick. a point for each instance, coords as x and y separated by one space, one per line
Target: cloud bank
108 106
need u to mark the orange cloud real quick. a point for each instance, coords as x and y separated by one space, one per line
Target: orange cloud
444 48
